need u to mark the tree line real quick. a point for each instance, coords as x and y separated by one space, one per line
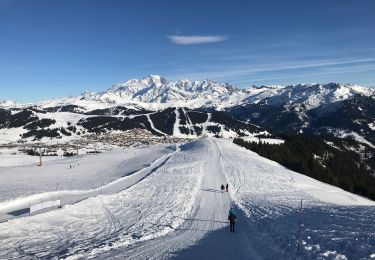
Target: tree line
317 159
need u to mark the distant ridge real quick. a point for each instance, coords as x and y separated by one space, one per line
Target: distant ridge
155 92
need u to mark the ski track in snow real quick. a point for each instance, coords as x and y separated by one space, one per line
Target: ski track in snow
176 130
152 125
191 126
209 116
179 212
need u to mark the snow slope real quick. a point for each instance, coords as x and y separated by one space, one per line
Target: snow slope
177 211
10 157
77 178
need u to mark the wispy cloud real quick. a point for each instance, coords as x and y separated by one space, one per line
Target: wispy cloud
250 73
195 39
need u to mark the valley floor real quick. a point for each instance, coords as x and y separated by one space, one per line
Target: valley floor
171 206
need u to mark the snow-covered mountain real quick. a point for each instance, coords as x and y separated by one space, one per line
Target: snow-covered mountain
152 92
313 108
333 109
67 123
8 104
122 200
155 92
306 96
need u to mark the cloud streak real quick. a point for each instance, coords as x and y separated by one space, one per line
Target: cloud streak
251 73
195 39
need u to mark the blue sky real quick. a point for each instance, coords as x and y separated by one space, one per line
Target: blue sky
53 48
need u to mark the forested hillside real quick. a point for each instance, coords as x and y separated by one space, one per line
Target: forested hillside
329 162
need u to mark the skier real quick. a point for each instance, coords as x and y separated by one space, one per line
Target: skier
226 187
222 188
232 219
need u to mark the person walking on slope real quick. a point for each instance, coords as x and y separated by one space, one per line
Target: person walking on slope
232 219
222 188
226 187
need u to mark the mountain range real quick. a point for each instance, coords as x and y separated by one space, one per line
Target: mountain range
185 108
156 92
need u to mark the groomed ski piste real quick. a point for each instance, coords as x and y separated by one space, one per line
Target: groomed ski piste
166 203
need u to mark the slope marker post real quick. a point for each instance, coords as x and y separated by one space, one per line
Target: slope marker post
299 226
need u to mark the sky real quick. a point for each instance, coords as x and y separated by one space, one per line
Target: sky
56 48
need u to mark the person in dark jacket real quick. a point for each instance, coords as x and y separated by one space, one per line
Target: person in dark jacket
222 188
232 219
226 187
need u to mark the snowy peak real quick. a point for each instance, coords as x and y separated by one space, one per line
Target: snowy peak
7 103
134 85
155 92
311 96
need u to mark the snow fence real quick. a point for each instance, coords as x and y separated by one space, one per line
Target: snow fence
44 205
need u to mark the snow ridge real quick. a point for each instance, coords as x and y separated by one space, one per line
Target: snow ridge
155 92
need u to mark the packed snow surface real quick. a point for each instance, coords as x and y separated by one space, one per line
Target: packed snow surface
12 157
174 208
76 178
